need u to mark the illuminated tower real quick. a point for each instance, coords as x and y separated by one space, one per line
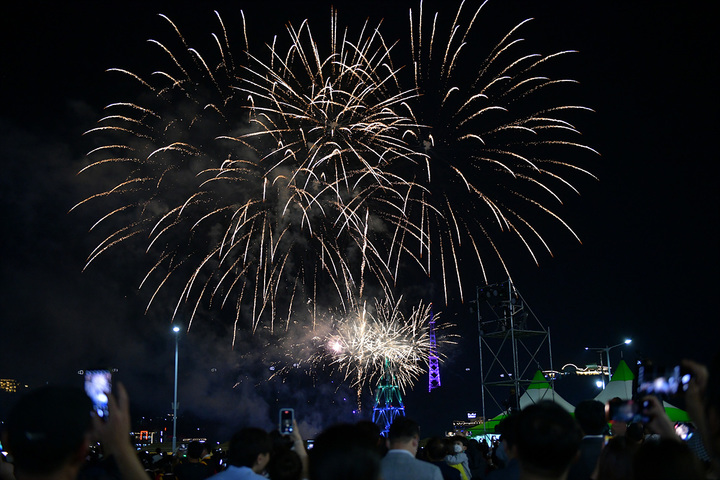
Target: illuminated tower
433 361
388 400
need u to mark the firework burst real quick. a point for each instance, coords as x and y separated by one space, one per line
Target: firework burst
495 139
363 342
302 174
260 177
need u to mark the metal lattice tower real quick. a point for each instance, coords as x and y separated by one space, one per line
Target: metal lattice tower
433 360
512 344
388 400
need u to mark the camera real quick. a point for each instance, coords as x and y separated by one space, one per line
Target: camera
287 415
98 385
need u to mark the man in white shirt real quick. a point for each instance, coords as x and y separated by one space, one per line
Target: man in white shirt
400 462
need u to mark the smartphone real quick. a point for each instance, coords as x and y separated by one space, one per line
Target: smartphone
287 415
626 411
98 385
684 430
661 381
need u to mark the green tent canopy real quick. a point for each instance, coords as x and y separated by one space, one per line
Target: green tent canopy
622 373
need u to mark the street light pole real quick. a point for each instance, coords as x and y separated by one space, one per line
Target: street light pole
176 330
606 349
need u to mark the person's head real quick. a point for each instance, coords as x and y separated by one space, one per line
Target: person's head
285 464
250 447
373 433
436 449
666 460
508 433
195 450
404 433
48 430
459 443
590 415
344 451
548 440
615 461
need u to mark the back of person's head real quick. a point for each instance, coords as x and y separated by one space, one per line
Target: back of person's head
590 415
436 449
280 441
285 464
548 439
246 445
666 460
369 428
344 451
616 459
47 427
403 429
195 449
484 447
508 429
374 434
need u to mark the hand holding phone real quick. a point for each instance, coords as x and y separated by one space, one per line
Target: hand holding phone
659 422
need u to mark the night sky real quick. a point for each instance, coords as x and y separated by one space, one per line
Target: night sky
646 268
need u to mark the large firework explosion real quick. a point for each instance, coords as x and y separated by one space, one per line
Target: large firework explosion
281 179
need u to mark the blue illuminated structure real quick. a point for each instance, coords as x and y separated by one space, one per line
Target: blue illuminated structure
388 400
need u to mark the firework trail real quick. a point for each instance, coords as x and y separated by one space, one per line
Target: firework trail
296 175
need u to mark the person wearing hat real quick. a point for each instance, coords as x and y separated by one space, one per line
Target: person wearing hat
49 431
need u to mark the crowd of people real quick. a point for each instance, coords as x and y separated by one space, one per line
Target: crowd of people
53 434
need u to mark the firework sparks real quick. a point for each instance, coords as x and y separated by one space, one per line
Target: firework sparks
259 177
493 142
271 175
364 341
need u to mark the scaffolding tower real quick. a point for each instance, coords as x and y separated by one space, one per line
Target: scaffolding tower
513 345
388 400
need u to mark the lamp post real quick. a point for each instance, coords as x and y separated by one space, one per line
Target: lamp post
175 330
627 341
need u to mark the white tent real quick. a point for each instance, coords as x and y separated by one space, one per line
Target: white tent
539 389
620 385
